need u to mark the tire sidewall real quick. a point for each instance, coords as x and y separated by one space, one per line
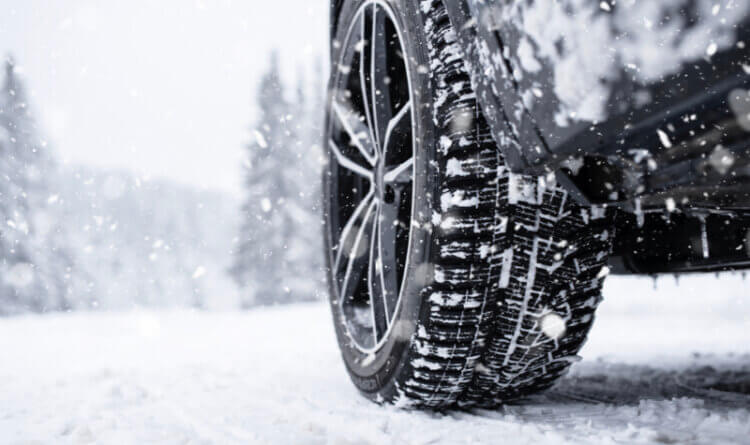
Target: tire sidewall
377 376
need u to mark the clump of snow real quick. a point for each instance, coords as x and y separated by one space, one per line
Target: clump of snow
266 205
527 58
457 198
587 44
739 101
260 139
199 272
445 144
671 205
664 138
552 325
603 273
521 189
453 168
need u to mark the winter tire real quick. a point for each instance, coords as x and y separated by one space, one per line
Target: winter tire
453 282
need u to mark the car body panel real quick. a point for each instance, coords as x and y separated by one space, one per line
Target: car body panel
583 77
579 63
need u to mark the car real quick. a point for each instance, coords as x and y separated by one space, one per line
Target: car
491 162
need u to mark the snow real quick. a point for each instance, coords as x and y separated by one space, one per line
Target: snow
587 44
456 198
553 326
454 168
664 138
521 189
274 376
506 268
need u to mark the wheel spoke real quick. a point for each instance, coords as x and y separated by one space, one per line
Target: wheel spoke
353 247
358 132
364 77
349 232
386 274
401 122
380 319
400 174
349 163
381 100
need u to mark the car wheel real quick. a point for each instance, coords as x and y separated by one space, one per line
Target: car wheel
453 282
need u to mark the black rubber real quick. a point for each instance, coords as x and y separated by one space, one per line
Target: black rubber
507 253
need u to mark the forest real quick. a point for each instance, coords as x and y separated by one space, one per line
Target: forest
78 237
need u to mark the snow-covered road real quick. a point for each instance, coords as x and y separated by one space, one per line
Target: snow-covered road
665 366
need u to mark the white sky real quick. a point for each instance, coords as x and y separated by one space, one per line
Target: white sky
164 87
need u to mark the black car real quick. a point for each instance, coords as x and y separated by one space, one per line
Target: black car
493 161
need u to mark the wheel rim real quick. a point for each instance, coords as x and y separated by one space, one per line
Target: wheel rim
371 171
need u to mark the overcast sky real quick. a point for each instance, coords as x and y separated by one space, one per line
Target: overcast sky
164 87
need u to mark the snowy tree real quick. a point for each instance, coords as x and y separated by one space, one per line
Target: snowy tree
311 100
146 242
277 250
33 265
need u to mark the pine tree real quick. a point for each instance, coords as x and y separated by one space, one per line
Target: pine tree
32 264
311 159
278 255
259 267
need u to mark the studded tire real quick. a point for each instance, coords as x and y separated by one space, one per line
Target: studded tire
515 265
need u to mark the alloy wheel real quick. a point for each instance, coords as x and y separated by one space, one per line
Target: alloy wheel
371 166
